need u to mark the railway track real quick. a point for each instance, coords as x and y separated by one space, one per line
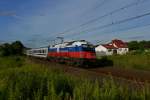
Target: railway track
123 76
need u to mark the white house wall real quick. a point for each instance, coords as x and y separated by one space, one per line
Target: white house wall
122 51
102 51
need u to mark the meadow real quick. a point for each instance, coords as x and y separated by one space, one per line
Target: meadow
132 61
21 79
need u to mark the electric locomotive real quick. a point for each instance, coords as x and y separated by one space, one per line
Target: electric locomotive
74 52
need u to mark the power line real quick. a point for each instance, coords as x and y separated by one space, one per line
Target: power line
124 29
105 15
134 27
115 23
99 5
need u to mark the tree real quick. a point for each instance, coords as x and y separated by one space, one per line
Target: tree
133 45
16 48
141 45
6 49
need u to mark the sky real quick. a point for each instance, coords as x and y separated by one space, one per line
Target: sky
38 22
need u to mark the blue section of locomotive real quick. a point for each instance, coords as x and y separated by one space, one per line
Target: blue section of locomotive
52 49
72 49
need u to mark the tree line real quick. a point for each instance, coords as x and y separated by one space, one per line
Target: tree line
17 48
139 45
14 48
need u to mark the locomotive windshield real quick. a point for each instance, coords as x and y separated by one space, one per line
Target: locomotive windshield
88 47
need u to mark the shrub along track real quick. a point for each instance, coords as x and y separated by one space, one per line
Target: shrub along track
121 76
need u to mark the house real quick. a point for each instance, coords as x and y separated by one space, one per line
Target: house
122 47
105 49
114 47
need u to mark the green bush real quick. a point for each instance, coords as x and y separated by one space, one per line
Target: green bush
104 61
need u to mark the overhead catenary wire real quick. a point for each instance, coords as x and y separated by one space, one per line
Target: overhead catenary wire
128 29
112 23
115 23
97 6
105 15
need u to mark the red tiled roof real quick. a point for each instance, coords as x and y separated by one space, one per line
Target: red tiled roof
109 46
119 43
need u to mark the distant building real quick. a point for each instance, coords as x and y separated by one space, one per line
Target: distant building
114 47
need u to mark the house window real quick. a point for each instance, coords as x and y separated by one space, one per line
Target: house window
120 49
109 50
126 49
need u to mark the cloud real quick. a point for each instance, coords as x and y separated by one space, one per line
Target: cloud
17 17
7 13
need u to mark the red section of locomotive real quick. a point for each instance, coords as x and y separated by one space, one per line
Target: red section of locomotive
73 52
82 54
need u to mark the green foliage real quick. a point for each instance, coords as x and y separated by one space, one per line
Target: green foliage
6 49
141 45
133 45
16 48
132 61
104 61
36 82
11 62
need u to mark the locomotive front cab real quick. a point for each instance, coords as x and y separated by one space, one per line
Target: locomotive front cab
88 51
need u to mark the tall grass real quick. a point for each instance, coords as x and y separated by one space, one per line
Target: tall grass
11 62
37 82
133 61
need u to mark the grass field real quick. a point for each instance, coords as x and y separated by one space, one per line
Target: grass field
23 80
132 61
